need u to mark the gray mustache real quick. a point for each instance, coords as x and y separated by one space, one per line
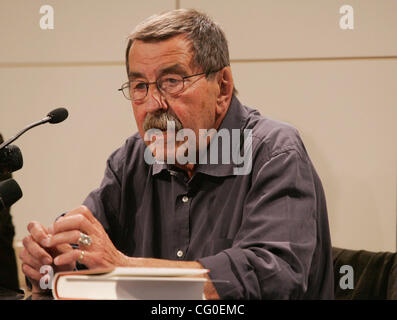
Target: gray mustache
159 121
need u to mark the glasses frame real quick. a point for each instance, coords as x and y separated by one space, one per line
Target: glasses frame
147 84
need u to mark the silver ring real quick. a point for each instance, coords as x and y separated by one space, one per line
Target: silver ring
82 253
84 239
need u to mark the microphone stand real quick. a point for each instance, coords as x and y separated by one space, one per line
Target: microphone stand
35 124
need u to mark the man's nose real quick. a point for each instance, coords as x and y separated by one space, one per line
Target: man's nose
155 100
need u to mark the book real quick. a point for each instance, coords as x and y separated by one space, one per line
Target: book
129 283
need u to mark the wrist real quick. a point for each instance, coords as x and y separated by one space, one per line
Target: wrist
123 260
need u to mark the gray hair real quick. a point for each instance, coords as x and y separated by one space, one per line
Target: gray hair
209 44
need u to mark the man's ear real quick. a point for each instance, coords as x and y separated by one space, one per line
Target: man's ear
226 85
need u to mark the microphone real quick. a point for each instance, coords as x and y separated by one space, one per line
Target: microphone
10 192
10 159
55 116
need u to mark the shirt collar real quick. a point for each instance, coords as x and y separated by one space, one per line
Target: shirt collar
234 119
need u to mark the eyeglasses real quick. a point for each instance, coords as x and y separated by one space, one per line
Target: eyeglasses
171 83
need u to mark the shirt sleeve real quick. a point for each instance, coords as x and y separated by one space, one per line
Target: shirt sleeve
104 202
271 255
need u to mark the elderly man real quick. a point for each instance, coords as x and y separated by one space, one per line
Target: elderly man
262 232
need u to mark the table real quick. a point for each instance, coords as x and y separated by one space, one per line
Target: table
9 294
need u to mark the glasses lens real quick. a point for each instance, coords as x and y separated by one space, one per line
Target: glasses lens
138 90
171 83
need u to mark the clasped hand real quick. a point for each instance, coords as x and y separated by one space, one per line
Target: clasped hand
52 246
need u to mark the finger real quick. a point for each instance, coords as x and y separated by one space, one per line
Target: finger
26 258
69 257
35 251
62 248
83 210
73 222
31 273
33 224
38 232
63 238
89 259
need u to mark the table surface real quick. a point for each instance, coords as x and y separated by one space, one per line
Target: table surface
9 294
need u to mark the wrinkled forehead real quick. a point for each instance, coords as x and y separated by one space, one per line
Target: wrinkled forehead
175 50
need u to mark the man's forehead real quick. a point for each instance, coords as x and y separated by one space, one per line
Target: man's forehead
166 69
177 41
174 53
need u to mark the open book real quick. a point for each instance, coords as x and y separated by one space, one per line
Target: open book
127 283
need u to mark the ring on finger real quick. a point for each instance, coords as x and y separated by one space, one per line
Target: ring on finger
81 257
84 239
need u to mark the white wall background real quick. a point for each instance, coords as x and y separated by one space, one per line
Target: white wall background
290 60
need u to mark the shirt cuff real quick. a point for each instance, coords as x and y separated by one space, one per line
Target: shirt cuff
222 276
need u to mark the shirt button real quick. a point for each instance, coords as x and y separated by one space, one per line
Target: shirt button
185 199
179 253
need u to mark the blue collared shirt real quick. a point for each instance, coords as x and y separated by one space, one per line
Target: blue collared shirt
262 235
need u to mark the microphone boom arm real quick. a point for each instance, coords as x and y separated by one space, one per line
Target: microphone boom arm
35 124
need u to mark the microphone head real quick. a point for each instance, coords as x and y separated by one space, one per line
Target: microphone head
10 192
58 115
10 159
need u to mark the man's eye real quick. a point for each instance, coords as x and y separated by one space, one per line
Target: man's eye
171 80
139 86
